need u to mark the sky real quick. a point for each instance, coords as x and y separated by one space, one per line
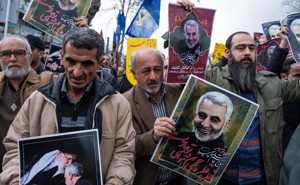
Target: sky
230 16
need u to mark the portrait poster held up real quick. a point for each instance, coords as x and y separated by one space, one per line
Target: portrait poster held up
58 154
53 61
292 21
271 29
55 17
264 52
189 42
210 124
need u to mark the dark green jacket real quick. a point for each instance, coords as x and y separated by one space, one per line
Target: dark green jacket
290 170
270 93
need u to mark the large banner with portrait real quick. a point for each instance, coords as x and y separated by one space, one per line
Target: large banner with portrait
210 124
56 17
189 42
292 21
67 158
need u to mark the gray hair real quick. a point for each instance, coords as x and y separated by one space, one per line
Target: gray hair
75 169
85 38
218 99
139 51
294 23
192 23
27 45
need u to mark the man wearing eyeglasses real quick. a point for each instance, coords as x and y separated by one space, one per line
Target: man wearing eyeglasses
17 81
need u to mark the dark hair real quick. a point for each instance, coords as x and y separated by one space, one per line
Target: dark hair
287 65
229 40
84 38
35 42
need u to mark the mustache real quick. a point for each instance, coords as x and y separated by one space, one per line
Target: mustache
199 127
150 82
246 59
14 65
81 77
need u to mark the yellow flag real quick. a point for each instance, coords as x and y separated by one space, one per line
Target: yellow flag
219 51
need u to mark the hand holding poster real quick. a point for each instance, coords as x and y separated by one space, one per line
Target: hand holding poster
189 42
55 17
195 150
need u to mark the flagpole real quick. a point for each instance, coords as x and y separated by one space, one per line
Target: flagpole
7 17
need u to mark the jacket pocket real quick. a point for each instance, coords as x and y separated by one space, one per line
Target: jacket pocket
274 115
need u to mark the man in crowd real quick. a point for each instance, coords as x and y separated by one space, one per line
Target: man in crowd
37 48
284 65
258 158
78 100
152 103
17 81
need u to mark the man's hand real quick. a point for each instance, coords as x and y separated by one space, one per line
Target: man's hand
163 127
81 21
187 4
282 35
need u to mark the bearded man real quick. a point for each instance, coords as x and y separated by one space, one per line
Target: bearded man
258 158
17 81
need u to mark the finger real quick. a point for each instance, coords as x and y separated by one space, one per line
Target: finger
166 129
168 124
162 134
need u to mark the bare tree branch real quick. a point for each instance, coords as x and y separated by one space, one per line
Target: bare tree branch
292 5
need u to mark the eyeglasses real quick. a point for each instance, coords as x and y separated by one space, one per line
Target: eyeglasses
19 53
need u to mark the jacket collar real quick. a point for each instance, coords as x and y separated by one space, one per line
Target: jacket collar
144 108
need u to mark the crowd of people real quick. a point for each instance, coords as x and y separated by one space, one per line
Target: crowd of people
94 93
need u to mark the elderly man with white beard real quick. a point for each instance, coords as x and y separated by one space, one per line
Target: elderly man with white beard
17 81
258 159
